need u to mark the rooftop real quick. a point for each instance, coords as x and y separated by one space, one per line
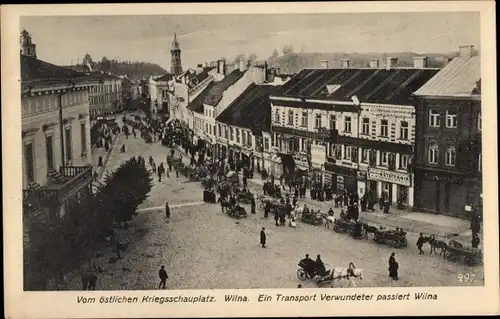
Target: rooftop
459 78
196 105
393 86
251 110
216 92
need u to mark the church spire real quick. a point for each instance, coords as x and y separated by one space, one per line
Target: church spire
175 52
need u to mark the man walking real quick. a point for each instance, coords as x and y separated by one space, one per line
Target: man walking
167 211
263 237
420 243
162 273
252 205
393 267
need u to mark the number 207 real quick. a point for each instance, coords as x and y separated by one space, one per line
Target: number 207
466 277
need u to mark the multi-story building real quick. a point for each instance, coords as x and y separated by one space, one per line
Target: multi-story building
57 171
106 96
240 128
448 147
353 117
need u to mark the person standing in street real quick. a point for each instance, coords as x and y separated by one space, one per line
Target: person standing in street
263 237
167 211
420 243
252 205
162 273
393 267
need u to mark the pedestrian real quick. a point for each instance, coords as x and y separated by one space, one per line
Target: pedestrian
99 161
420 243
393 267
162 273
475 240
123 148
252 205
92 279
167 211
177 173
263 237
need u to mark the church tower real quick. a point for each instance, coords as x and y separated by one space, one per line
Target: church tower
27 47
175 52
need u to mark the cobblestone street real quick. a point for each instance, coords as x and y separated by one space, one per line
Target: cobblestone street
203 248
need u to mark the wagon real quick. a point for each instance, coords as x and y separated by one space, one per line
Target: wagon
341 225
395 238
470 256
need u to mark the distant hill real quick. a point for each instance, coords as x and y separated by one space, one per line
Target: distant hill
133 70
294 62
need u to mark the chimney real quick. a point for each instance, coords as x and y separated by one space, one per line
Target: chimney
420 62
465 50
325 64
391 62
345 63
270 75
242 65
221 67
374 64
277 71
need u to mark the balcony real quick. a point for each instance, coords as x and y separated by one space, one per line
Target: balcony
69 180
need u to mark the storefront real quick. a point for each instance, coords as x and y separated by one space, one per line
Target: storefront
342 178
398 185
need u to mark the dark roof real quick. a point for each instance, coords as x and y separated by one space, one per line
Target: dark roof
196 105
216 92
394 86
98 75
251 110
166 77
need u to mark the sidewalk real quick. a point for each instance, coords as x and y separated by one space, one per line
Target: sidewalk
414 222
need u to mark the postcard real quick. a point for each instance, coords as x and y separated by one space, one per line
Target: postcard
250 159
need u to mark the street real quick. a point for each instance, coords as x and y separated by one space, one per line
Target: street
203 248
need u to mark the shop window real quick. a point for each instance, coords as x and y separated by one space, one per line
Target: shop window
403 130
451 155
433 154
237 136
384 128
403 161
365 126
243 138
347 124
434 118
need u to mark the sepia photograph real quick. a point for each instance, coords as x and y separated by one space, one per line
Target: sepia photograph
168 152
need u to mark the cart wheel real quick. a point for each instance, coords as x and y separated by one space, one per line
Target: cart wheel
301 274
336 228
404 242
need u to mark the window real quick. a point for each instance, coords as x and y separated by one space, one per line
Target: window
403 130
237 135
304 119
244 138
206 127
479 120
49 146
433 154
231 130
83 137
29 162
451 156
225 132
479 162
364 155
318 121
249 139
384 128
266 144
403 161
384 161
277 116
347 124
434 119
451 119
365 126
219 130
69 151
347 152
333 122
290 117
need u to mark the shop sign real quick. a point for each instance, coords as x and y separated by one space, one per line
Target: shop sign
389 176
318 154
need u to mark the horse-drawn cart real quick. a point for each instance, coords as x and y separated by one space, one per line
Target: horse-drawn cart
397 238
341 225
312 218
457 252
237 212
244 197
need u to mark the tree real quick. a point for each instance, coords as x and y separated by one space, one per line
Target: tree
87 59
239 57
105 64
287 49
275 54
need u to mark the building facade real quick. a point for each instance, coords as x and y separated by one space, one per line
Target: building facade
106 97
448 147
57 171
361 120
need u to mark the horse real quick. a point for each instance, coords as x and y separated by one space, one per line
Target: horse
437 243
350 273
298 210
369 229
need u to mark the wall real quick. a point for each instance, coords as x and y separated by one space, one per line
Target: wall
40 110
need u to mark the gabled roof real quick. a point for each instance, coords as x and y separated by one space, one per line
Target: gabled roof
251 110
196 105
458 78
393 86
218 89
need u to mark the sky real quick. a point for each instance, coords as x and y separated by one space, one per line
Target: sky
64 40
